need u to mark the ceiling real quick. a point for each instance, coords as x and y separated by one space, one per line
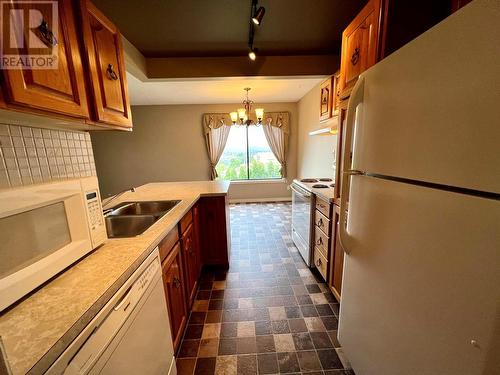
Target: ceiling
174 28
218 91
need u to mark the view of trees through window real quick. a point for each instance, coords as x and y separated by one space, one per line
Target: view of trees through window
247 156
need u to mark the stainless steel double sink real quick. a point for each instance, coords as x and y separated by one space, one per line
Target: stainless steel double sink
129 219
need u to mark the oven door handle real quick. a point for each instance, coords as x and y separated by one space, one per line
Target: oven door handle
302 194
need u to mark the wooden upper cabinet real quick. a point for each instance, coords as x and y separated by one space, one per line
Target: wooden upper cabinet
359 46
329 99
326 100
106 64
58 90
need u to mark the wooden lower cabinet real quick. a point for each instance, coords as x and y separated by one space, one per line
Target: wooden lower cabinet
336 258
322 238
173 283
191 262
214 230
181 255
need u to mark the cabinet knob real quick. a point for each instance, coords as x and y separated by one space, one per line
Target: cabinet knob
111 73
176 282
318 262
355 56
320 222
46 35
319 241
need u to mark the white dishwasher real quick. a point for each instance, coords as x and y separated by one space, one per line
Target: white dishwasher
130 335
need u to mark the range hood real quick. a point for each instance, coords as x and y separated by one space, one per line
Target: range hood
328 127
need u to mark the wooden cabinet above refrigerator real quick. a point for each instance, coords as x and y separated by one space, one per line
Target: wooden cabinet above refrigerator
379 29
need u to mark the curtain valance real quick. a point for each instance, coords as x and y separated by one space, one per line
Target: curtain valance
277 119
215 120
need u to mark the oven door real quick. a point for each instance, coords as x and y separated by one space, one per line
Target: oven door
301 221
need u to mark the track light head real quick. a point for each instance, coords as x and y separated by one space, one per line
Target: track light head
259 15
252 55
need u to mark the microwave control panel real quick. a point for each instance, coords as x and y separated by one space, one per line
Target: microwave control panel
95 218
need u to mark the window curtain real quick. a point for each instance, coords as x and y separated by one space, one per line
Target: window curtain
216 133
277 130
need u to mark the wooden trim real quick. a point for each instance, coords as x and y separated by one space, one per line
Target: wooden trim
334 292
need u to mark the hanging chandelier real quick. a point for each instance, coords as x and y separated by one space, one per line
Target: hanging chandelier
241 115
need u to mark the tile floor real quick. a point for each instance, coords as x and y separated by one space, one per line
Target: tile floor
268 313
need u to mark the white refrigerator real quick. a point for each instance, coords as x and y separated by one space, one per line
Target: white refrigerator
421 283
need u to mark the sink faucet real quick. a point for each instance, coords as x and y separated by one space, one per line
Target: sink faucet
112 198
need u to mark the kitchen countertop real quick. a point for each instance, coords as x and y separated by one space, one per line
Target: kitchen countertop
39 328
327 194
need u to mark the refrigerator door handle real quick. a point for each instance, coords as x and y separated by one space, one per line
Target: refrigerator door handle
353 172
356 98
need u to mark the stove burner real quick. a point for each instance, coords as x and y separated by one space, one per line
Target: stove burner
325 179
320 186
309 180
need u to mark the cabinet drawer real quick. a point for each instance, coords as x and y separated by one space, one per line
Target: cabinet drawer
322 222
321 241
323 206
168 243
321 263
186 221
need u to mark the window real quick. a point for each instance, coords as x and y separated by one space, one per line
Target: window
247 156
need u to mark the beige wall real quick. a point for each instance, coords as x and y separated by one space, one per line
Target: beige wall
315 155
167 144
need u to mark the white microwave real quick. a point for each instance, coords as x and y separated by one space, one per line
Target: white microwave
44 229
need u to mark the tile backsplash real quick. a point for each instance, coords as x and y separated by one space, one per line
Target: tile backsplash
33 155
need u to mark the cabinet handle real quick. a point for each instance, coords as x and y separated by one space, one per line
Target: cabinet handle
355 56
111 73
176 282
318 262
319 241
46 35
320 222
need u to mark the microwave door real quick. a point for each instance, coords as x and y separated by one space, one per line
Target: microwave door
44 229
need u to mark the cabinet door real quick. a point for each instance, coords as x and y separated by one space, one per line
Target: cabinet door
359 46
173 283
326 99
196 237
58 90
191 264
104 55
336 259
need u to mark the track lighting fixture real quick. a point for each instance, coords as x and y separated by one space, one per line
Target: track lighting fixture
258 15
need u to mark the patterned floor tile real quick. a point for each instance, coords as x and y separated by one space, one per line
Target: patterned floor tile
268 313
